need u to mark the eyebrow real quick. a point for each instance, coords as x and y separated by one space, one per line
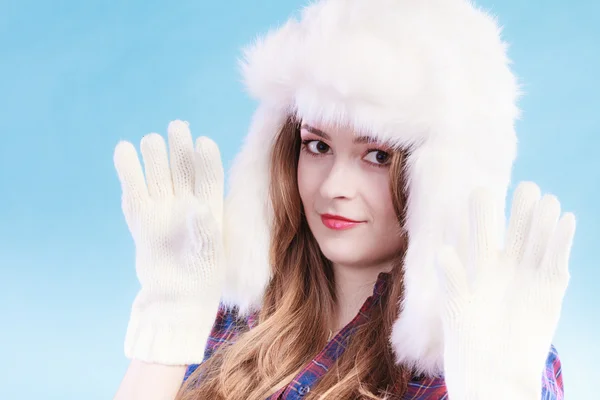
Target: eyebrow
320 133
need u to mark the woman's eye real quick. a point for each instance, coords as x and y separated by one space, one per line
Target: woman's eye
378 157
318 147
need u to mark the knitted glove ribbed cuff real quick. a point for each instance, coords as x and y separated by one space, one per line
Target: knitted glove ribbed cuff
173 336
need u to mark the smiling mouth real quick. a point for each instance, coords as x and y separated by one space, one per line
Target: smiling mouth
338 223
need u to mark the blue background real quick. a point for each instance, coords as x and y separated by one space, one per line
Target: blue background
76 77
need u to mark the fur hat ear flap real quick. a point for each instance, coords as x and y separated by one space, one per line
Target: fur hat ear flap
247 215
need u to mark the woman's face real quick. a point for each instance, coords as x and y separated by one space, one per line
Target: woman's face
344 185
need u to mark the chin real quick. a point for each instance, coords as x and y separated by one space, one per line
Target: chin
345 252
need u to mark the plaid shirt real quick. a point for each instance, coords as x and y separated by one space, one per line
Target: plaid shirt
227 327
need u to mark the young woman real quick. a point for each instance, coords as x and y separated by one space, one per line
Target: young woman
361 252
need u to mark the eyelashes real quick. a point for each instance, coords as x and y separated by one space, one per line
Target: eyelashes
308 144
318 148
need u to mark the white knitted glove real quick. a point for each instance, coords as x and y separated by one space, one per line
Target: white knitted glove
175 217
499 322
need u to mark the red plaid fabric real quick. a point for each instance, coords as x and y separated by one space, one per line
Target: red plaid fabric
228 326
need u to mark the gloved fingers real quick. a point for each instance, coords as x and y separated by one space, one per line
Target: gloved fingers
156 162
453 278
181 152
525 199
130 173
485 224
209 176
556 259
543 226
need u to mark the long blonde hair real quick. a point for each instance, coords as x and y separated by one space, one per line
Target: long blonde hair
298 303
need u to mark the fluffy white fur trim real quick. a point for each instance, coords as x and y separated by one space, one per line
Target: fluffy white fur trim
429 75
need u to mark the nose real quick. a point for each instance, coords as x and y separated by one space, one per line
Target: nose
340 181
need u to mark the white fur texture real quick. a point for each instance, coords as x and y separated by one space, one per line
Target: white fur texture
428 75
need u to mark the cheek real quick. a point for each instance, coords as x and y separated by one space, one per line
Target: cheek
378 193
307 178
379 199
385 239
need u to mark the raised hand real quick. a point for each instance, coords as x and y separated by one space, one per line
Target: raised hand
502 304
174 215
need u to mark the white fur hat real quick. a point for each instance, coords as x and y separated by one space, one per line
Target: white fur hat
429 75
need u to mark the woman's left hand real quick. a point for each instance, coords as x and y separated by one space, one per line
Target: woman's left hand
502 305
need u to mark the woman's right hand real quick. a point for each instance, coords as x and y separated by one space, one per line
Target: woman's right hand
174 215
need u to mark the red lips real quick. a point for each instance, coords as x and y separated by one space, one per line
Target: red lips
337 222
